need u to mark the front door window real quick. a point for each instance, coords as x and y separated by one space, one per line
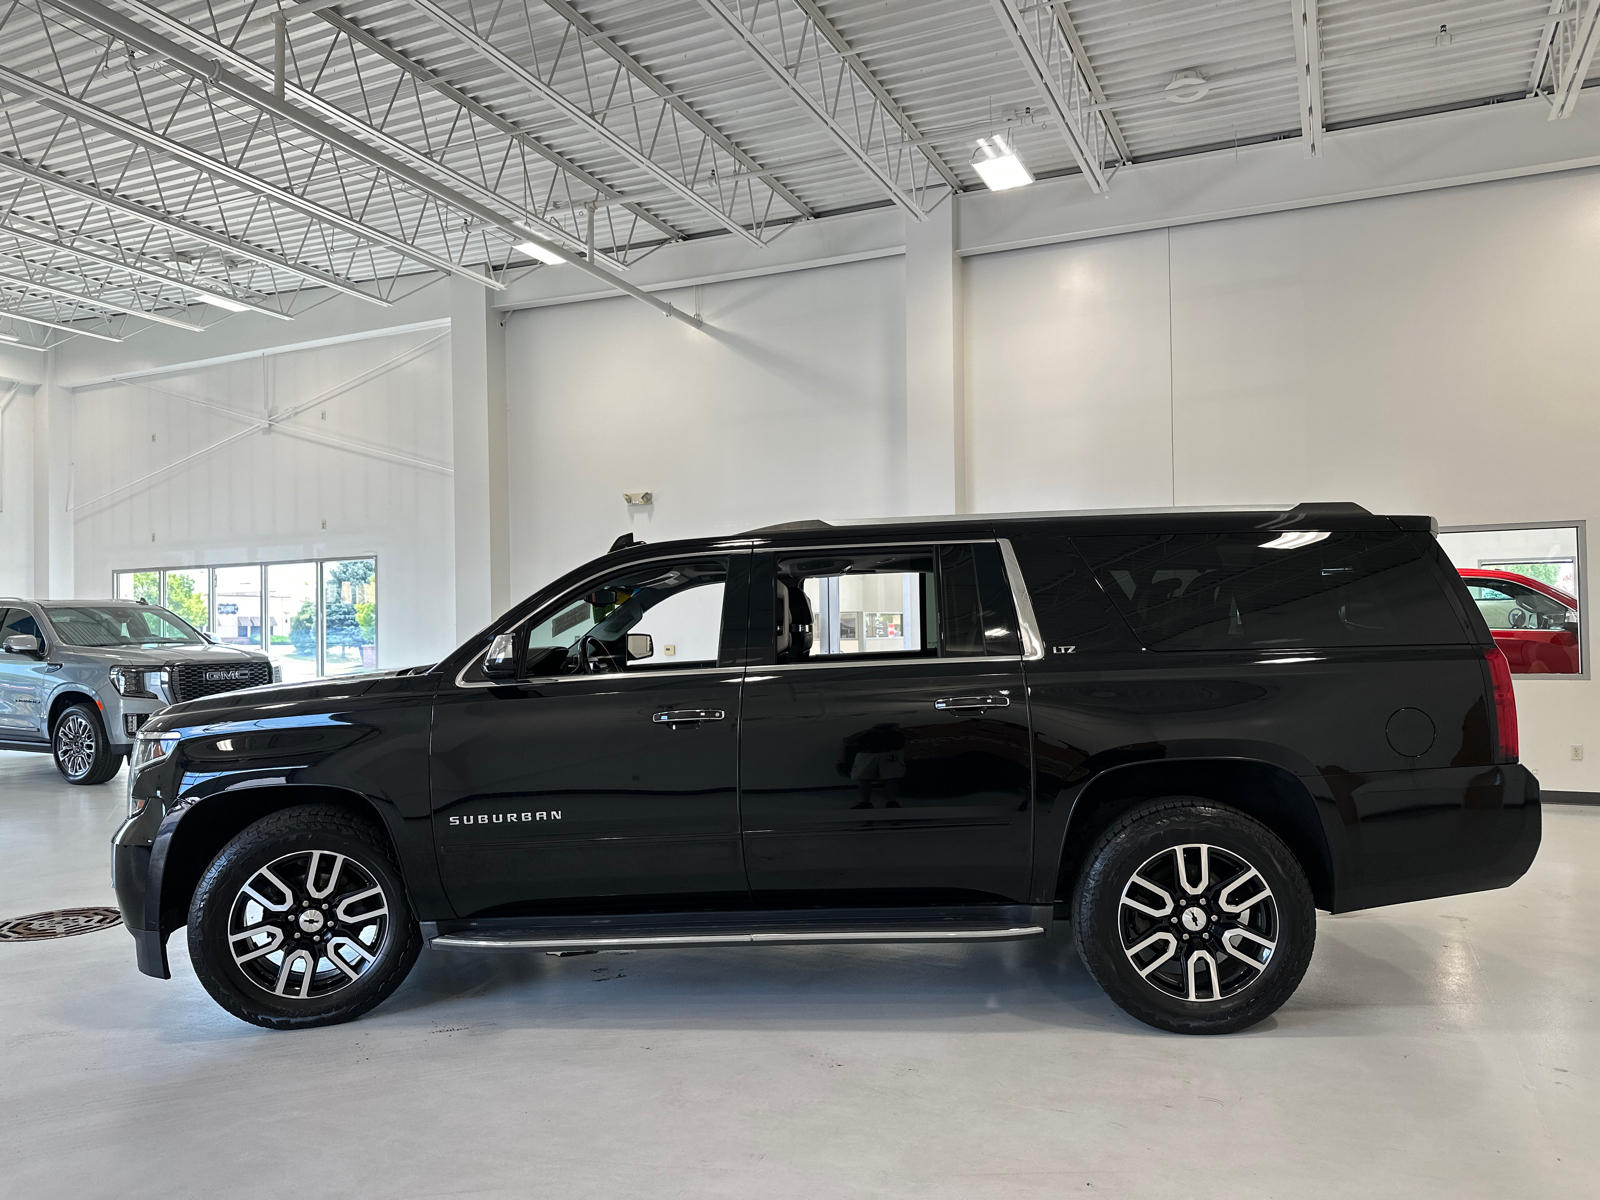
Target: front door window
649 618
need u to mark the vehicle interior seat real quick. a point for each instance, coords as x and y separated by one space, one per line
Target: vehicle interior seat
794 621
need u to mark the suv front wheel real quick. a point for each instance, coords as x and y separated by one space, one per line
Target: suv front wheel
82 751
1193 917
302 920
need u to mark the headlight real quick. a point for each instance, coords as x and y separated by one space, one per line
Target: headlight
148 750
135 681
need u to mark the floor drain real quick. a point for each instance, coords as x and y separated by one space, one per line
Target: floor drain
64 922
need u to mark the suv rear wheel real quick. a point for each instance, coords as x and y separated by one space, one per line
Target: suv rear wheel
83 752
302 920
1193 917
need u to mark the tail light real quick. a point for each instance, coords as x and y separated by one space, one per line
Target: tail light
1505 704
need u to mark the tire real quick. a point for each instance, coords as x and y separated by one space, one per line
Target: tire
1213 959
82 751
321 886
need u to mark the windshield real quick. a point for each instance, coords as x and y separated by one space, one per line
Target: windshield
120 625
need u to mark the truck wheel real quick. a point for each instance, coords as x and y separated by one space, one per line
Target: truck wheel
302 920
1193 917
83 753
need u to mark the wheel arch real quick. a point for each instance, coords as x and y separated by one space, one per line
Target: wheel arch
1259 789
65 699
204 829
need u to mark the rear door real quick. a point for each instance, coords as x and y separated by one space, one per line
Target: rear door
884 750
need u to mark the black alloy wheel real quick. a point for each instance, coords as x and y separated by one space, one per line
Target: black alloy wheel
303 920
1193 917
82 751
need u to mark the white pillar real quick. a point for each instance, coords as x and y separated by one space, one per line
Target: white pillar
52 575
935 404
478 407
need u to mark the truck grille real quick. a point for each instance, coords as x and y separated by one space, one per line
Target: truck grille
190 681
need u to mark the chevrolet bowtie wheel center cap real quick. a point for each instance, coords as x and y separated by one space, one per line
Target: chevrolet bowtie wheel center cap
1193 920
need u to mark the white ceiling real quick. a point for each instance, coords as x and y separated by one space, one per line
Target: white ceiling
148 174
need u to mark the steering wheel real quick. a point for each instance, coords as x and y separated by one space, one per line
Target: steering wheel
593 657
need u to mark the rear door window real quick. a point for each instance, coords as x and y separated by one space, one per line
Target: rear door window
1271 590
930 601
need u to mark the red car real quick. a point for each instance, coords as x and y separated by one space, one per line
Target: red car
1536 625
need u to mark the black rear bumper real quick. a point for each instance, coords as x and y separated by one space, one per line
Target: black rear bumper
1415 835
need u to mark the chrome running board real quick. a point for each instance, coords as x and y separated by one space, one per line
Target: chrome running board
795 937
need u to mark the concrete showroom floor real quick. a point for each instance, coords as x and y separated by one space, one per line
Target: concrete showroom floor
1441 1049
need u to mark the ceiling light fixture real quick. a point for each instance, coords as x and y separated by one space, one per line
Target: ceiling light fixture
222 302
1187 87
998 166
535 250
9 337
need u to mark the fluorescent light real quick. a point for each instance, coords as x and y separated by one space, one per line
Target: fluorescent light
998 166
1294 541
535 250
9 337
222 302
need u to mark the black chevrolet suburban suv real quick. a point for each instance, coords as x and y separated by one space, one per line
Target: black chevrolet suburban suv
1182 732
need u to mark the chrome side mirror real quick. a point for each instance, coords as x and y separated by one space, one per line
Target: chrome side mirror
501 660
640 646
22 643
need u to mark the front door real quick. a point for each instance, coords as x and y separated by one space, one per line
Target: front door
24 683
603 777
884 754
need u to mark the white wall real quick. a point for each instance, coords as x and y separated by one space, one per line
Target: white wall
1420 354
285 494
789 405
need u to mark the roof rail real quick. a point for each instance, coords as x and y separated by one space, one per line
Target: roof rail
800 526
1281 511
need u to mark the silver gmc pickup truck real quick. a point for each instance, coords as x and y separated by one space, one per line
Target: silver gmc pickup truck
78 678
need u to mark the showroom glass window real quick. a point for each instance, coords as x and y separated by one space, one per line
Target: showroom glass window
349 616
316 617
1526 581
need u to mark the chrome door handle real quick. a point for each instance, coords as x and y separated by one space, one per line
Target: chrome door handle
950 702
682 716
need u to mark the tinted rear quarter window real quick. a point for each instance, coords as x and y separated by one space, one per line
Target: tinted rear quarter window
1272 590
1074 614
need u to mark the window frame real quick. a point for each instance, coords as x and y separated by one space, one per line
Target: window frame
1584 674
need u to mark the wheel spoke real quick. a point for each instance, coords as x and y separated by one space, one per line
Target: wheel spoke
361 918
1161 935
1167 903
333 876
337 944
270 906
1230 942
1195 959
308 971
1204 855
255 951
1233 885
